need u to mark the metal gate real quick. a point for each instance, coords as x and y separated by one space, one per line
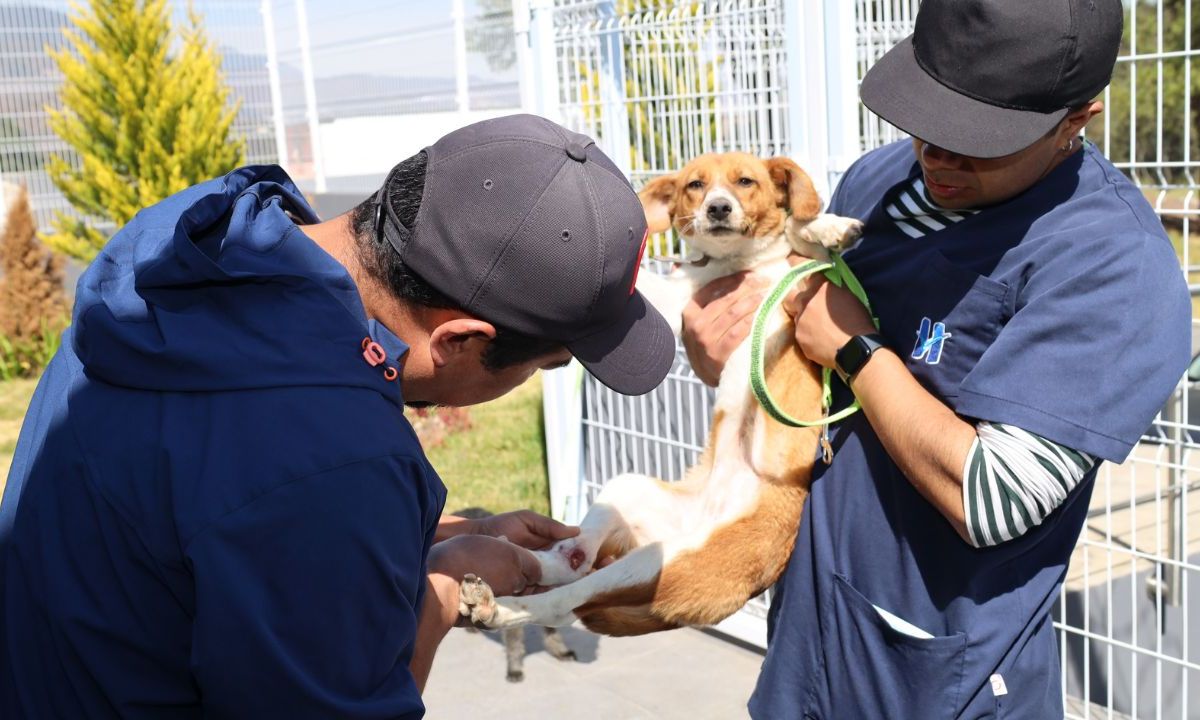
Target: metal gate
659 81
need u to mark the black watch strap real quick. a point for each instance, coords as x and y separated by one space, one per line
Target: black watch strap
855 353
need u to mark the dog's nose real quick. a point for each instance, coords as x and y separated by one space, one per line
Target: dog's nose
719 209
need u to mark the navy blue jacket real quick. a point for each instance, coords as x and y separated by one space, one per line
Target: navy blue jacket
216 505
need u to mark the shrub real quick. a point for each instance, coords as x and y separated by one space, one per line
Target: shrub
33 306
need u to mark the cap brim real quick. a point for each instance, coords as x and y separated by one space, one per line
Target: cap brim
899 90
633 354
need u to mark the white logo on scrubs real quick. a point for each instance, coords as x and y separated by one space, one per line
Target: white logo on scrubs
930 340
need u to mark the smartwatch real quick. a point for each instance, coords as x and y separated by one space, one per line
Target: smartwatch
855 353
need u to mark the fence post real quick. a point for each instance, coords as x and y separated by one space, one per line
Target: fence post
268 13
841 88
614 115
522 43
562 389
544 59
459 17
804 41
310 95
820 42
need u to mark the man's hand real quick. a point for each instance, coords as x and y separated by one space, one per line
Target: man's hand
717 319
525 528
507 568
827 316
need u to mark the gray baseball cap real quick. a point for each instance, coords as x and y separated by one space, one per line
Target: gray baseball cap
987 78
531 227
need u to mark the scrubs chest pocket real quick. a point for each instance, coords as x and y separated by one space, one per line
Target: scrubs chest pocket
951 319
877 671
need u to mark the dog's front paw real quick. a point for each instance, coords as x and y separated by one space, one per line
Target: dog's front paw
843 234
476 602
830 232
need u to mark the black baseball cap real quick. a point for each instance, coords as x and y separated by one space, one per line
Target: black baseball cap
531 227
987 78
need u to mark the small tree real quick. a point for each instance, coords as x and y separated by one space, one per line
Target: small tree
33 307
144 122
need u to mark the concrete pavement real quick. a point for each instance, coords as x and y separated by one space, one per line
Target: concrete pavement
676 675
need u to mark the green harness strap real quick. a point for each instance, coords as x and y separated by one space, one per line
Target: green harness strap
838 273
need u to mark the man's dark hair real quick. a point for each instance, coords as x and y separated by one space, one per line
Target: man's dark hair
382 263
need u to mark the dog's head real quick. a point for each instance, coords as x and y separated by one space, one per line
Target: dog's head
726 204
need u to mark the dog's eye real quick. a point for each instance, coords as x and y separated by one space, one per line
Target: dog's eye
745 182
696 185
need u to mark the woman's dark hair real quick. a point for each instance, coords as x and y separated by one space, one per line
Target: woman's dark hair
383 264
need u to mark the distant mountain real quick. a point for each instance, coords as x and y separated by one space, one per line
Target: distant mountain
31 83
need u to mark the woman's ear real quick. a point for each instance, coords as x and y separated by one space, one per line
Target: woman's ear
457 337
796 191
658 202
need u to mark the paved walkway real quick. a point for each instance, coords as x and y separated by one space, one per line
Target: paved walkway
676 675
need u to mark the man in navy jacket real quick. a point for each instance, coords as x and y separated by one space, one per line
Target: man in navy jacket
217 507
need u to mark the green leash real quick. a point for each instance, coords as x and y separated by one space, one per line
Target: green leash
838 273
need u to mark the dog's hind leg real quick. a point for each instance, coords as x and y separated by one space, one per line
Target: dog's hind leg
556 645
632 580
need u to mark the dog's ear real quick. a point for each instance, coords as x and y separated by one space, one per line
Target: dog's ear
658 202
796 190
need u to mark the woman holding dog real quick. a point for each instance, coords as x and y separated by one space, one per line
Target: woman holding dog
1032 320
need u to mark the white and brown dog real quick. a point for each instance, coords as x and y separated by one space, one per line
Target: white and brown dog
693 552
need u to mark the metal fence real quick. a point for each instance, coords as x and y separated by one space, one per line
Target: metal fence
658 82
29 83
374 60
295 66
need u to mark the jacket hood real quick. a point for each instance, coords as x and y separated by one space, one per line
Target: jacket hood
216 288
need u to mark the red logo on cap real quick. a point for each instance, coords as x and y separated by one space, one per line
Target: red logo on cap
637 264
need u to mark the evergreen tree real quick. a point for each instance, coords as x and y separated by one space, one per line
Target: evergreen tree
144 122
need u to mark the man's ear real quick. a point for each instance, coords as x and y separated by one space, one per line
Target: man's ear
796 191
1076 121
457 337
658 202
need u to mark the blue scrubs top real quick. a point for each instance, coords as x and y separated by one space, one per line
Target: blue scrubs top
1063 312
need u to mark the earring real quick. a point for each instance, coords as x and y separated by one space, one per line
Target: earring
1069 146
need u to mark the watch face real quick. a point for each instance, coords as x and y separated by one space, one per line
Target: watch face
850 357
854 353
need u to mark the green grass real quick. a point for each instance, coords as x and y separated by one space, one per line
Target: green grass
500 462
14 399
